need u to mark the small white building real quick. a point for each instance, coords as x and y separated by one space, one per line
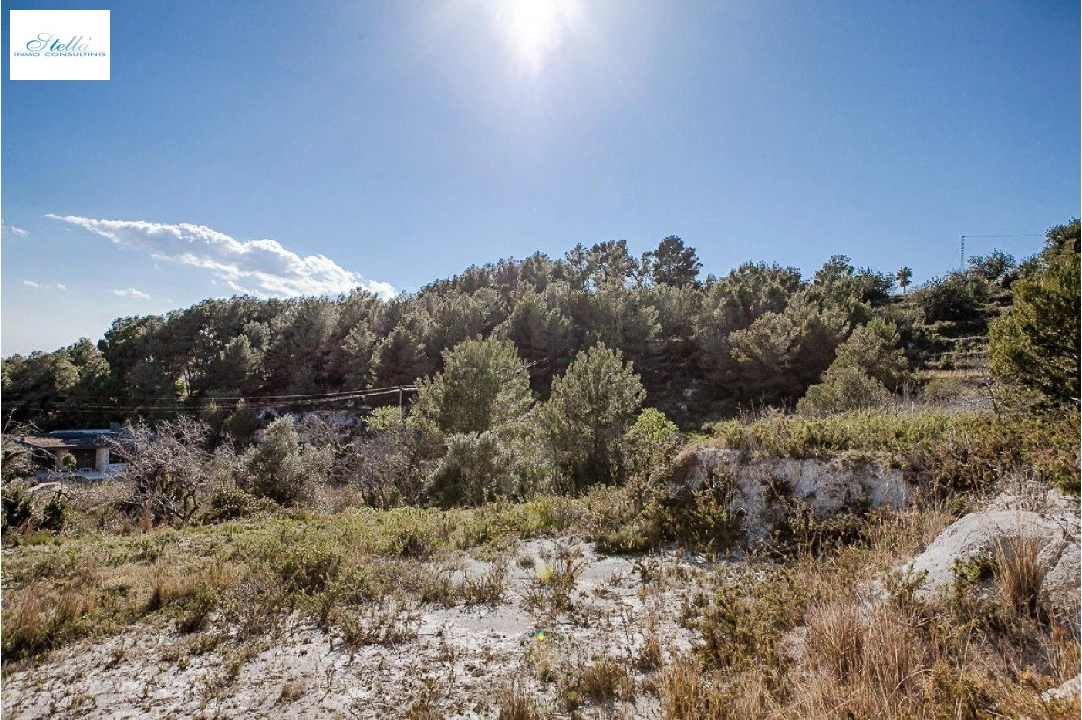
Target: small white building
90 448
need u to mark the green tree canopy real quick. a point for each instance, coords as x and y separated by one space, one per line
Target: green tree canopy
673 263
1037 342
875 349
484 386
591 408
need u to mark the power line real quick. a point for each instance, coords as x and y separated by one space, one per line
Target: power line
987 237
196 405
309 398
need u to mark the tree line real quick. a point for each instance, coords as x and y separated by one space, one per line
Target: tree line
703 347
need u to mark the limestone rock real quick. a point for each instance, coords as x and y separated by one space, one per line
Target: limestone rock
827 487
989 532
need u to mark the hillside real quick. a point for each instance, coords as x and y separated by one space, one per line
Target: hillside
790 499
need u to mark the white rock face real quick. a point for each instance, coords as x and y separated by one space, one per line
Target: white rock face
1066 691
1055 530
828 487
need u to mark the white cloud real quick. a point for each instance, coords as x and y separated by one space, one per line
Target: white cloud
13 230
271 268
132 293
44 286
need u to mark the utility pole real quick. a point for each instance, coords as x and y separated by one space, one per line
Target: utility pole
963 254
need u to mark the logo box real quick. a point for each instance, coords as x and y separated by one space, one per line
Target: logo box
59 44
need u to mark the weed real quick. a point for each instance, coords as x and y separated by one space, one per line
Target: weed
602 682
1020 576
689 692
835 639
514 703
292 691
309 567
556 583
486 589
55 514
747 618
648 659
376 624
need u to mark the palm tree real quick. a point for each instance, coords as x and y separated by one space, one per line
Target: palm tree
903 277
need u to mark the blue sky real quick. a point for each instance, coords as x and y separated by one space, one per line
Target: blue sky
286 148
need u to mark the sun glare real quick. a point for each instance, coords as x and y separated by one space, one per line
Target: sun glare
533 29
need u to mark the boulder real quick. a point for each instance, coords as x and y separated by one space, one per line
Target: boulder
986 533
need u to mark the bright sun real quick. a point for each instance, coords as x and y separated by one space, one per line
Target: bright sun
533 29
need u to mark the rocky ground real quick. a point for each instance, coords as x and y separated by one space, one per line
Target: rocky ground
552 624
452 662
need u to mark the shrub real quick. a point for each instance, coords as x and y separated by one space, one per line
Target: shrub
17 507
599 683
649 442
384 419
380 462
1037 343
744 624
951 452
55 514
875 349
943 389
167 468
476 469
591 408
228 504
844 388
514 703
280 469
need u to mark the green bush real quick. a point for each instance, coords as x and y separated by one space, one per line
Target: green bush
1037 343
649 442
475 469
591 407
280 469
951 452
55 514
17 508
844 388
745 623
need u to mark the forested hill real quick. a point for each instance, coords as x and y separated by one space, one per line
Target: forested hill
704 347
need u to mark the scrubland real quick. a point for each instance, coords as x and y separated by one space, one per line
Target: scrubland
619 601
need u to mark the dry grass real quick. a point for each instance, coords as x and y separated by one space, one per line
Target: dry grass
1020 575
811 640
386 623
602 682
514 703
804 637
835 638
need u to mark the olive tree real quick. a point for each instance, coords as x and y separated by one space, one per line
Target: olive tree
281 469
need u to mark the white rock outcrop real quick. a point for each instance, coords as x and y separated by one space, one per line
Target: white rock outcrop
1054 529
827 487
